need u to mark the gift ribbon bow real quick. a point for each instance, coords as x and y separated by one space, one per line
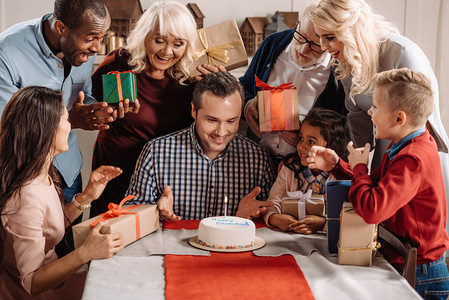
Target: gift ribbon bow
267 87
117 210
302 199
278 106
119 83
218 52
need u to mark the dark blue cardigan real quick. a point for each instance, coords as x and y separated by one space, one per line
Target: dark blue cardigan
333 95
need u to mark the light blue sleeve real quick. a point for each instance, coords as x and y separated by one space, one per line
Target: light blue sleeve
7 85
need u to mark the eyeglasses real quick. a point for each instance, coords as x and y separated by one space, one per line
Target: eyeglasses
302 40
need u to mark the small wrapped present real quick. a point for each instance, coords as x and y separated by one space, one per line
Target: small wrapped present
134 222
357 243
337 192
299 205
219 44
118 86
278 107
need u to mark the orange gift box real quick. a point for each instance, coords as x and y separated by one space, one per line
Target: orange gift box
219 44
134 221
278 107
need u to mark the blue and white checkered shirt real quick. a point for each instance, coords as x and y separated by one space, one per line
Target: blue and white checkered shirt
199 184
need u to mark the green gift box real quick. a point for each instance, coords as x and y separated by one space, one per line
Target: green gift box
118 86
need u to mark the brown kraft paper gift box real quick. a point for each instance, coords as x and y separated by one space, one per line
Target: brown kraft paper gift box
357 242
290 206
125 223
219 44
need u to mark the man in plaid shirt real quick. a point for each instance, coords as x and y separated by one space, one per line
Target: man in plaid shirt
188 173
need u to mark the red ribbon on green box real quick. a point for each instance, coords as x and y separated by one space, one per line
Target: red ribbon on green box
118 86
116 211
278 107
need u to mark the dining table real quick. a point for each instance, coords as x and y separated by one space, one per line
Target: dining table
165 265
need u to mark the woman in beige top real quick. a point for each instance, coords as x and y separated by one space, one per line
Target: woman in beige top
34 128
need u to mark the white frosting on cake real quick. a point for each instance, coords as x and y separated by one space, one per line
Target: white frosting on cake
226 232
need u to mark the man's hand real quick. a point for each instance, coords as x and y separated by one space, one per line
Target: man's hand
310 224
358 155
90 117
125 107
282 221
291 137
252 116
322 158
165 206
207 69
251 208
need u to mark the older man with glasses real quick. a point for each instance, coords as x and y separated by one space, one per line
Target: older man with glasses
291 56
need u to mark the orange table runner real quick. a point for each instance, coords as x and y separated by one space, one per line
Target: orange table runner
232 275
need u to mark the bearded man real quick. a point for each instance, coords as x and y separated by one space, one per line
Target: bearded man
296 56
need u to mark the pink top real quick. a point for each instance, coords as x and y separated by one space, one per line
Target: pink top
285 182
34 224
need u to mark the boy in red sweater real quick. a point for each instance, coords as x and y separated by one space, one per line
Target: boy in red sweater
406 193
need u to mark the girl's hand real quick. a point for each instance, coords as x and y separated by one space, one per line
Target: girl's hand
97 182
282 221
322 158
99 246
310 224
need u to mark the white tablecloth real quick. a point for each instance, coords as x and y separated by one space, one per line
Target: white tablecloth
124 277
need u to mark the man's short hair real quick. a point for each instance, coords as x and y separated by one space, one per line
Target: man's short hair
70 12
409 91
220 84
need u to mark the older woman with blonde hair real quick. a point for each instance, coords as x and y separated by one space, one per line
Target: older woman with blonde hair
159 51
362 44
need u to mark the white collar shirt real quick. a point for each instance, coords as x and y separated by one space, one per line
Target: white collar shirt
310 83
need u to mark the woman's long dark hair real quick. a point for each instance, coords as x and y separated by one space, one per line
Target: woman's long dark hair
27 131
333 128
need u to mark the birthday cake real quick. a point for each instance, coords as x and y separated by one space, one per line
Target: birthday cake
226 233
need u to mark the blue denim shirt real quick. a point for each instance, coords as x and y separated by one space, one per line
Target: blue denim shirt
395 148
26 59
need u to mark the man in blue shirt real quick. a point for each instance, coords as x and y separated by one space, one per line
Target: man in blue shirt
57 51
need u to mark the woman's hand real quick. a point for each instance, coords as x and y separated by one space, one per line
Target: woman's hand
207 69
97 183
125 107
99 246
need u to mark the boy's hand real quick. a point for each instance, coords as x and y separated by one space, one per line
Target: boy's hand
358 156
322 158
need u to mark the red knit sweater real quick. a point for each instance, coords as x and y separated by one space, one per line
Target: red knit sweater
407 195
